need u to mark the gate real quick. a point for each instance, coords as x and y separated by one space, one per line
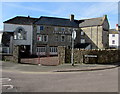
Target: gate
47 61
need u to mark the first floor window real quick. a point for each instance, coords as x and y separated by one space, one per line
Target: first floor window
41 27
62 38
82 40
113 35
39 38
20 34
45 38
113 41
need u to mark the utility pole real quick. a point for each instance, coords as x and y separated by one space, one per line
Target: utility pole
72 50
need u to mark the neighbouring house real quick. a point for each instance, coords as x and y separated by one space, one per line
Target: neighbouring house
94 32
22 28
42 36
114 37
5 40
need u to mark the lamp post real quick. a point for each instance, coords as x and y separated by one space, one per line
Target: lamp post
72 50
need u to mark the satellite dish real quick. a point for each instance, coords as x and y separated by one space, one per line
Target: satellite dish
74 34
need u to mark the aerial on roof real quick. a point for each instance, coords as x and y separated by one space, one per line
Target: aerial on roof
53 21
21 20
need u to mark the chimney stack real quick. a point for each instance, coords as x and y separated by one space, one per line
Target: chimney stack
71 17
117 27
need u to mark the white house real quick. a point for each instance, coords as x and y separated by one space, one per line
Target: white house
22 28
114 38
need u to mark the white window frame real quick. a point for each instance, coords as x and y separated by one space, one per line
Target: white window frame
41 50
20 35
82 33
113 35
113 41
43 38
53 50
82 40
40 37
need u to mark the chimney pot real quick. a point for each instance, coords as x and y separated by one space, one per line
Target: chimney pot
71 17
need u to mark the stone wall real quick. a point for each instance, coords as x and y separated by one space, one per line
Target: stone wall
13 58
103 56
61 54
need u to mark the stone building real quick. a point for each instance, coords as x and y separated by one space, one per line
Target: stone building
42 36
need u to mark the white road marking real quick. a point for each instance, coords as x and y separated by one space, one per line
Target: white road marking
8 86
5 79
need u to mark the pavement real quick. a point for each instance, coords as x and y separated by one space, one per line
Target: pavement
10 66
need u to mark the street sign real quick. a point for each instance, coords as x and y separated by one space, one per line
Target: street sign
74 34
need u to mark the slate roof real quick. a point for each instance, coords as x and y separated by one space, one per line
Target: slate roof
21 20
56 22
91 22
113 31
53 21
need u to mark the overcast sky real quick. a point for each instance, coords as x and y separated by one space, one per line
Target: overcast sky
81 10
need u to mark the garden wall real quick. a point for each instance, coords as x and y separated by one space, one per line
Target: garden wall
102 56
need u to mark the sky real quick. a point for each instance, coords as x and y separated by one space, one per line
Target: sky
81 10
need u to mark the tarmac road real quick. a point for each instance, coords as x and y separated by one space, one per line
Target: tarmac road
85 81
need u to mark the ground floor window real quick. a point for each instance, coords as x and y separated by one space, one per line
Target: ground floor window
41 50
53 51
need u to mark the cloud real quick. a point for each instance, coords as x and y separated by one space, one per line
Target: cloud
34 8
101 9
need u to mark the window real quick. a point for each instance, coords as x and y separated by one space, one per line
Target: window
113 35
62 38
113 41
20 34
45 38
82 40
56 38
41 50
63 29
53 50
56 28
82 33
39 38
41 28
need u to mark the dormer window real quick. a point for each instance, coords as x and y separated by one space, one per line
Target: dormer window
20 34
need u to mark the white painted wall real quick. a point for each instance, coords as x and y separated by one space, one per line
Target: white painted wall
116 38
28 29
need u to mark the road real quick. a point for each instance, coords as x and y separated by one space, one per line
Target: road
86 81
